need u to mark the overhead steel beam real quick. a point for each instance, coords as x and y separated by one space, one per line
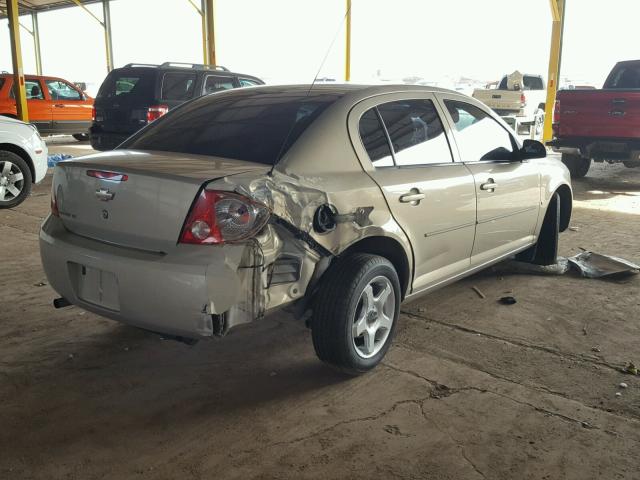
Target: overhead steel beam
209 14
106 25
106 15
16 57
36 42
557 29
347 55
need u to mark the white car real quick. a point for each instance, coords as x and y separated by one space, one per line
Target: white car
23 160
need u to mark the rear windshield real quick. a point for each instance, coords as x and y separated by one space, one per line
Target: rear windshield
626 76
128 84
258 127
530 83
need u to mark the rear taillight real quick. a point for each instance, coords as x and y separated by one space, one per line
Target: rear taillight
155 112
223 217
523 100
111 176
93 114
556 112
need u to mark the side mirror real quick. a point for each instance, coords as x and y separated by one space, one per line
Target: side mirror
532 149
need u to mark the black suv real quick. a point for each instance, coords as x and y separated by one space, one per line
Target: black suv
136 94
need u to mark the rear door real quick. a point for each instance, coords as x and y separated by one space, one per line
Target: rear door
508 191
404 148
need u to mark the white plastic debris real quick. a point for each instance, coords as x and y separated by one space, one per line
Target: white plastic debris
623 385
618 394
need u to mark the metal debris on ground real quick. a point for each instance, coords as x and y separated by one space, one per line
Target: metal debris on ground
594 265
477 290
39 284
631 368
596 349
514 266
574 229
508 300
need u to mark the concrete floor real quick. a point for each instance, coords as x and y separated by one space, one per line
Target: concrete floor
471 389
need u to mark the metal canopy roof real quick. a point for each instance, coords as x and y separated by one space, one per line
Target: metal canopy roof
30 6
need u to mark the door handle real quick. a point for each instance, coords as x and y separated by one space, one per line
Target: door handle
618 101
413 197
617 113
490 185
59 105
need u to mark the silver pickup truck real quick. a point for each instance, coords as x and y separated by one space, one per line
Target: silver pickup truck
519 100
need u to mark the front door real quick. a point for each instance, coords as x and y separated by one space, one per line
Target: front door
70 111
430 196
508 190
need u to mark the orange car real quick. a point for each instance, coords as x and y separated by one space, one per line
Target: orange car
55 105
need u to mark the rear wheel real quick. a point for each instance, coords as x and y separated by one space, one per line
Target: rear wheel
355 313
81 137
578 166
15 179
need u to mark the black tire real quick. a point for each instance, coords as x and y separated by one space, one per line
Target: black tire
81 137
24 186
545 251
578 166
335 307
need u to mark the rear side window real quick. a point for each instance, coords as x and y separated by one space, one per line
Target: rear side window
479 137
214 83
530 83
1 83
32 89
374 139
257 127
416 132
178 86
624 77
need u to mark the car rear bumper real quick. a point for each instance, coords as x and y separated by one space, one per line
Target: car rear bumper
177 293
609 149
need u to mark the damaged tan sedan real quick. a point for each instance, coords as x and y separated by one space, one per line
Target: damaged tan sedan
339 202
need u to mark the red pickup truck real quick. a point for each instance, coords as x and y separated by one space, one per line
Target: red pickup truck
600 125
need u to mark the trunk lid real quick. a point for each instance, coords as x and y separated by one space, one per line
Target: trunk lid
146 210
504 100
599 113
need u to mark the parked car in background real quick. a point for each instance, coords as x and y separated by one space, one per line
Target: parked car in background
55 105
600 125
339 201
23 160
519 99
137 94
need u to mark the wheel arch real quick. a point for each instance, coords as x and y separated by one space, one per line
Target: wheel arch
10 147
392 250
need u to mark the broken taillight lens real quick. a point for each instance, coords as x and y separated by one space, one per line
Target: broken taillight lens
54 204
556 112
523 100
223 217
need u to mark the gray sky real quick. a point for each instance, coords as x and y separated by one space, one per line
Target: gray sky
285 40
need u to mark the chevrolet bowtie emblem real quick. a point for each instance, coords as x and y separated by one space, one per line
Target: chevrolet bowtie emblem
104 194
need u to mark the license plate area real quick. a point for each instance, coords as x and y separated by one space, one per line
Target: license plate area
95 286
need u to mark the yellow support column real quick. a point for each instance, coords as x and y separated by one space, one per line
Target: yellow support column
36 42
347 57
557 12
203 19
211 33
16 57
106 24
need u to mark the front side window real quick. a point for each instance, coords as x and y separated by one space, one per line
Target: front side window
62 91
245 82
375 140
416 132
479 136
256 127
215 83
178 86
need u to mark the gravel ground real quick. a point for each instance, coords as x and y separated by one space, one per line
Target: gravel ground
471 389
